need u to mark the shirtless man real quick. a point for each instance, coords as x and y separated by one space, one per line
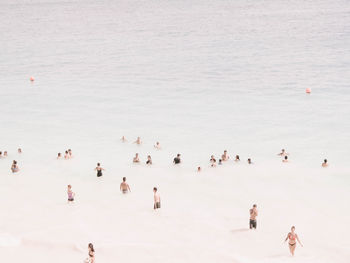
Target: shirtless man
225 157
253 214
136 158
123 139
138 141
156 199
325 163
124 187
250 161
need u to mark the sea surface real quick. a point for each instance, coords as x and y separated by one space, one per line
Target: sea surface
200 77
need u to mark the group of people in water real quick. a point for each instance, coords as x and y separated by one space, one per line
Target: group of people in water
125 188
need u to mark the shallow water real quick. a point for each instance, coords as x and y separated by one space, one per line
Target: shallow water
200 77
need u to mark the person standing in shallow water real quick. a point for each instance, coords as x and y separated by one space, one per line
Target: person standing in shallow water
124 186
91 258
14 167
70 194
325 163
177 159
253 214
156 199
138 141
293 238
99 170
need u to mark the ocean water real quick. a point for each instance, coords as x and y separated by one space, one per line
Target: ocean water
199 77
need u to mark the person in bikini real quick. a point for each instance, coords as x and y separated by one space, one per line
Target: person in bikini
91 258
124 187
293 238
71 194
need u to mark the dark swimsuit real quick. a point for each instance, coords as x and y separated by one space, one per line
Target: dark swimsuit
99 173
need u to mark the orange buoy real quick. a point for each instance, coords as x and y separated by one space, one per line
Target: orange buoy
308 90
31 78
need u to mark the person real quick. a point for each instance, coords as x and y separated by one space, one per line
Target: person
66 155
99 170
253 214
212 161
123 139
325 163
138 141
285 160
59 156
177 159
156 198
199 169
250 161
124 187
225 157
157 146
237 158
91 258
149 160
19 150
1 155
283 153
220 162
293 237
5 153
136 158
70 154
14 167
70 194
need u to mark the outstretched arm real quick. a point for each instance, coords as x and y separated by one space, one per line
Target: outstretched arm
298 240
286 238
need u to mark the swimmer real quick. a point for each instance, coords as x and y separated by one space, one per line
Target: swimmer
237 158
136 158
225 157
99 170
156 199
70 194
70 154
325 163
149 160
91 258
5 153
212 161
157 146
1 155
124 187
285 160
19 150
14 167
253 214
123 139
66 155
220 162
177 159
138 141
293 237
250 161
59 156
283 153
199 169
